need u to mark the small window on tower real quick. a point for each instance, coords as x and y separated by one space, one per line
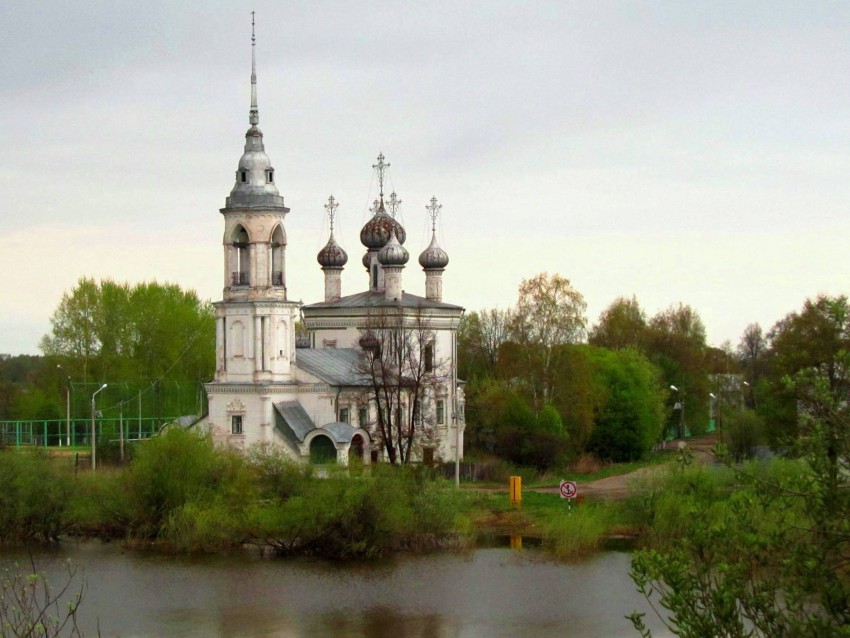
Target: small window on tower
270 177
243 175
374 275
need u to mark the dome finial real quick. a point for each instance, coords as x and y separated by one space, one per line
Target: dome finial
393 204
381 167
254 115
331 207
433 211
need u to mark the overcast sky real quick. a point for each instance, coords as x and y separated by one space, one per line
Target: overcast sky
691 152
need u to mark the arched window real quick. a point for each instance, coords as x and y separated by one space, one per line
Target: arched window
241 265
278 246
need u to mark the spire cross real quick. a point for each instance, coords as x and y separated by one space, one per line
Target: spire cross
393 203
433 211
381 167
331 207
254 117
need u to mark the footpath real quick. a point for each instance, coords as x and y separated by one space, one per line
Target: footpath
617 487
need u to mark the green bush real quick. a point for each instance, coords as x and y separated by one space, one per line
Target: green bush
178 468
743 431
33 496
377 513
279 476
99 505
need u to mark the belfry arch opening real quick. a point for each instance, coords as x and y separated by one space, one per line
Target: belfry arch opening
278 248
240 257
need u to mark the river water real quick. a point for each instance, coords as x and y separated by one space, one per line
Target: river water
481 593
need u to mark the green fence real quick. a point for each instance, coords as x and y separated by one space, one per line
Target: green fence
77 432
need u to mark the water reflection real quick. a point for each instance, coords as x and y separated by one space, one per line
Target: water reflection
483 593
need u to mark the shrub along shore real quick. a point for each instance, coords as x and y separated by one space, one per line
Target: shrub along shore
181 493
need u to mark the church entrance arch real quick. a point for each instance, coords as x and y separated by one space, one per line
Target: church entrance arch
322 450
355 451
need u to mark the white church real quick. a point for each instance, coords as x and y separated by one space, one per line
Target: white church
370 375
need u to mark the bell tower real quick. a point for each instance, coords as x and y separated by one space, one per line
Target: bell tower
255 340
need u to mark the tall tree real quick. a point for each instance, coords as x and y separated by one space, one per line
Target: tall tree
113 332
402 373
815 338
621 325
677 345
751 354
630 414
74 326
480 336
549 313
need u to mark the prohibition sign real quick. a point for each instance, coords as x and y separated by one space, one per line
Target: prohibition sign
568 489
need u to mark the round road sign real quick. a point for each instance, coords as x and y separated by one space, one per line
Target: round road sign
569 489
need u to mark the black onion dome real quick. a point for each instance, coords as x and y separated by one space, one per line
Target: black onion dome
332 255
376 232
433 257
393 253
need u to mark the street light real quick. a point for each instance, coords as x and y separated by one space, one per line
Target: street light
67 410
681 412
93 433
752 394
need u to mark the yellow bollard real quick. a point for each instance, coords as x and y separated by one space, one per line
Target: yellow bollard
516 541
516 491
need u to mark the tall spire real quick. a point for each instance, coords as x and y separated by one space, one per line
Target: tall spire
254 117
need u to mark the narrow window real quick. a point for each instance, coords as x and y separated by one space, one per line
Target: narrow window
428 356
374 275
236 424
243 175
441 412
270 177
344 415
363 416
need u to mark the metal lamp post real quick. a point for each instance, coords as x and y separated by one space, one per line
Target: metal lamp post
716 409
93 432
752 394
681 411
